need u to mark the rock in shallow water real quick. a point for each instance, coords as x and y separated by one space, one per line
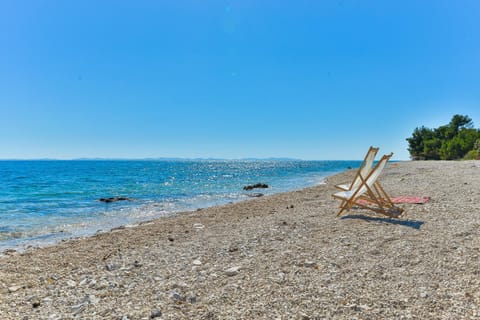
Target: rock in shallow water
254 186
114 199
10 252
255 195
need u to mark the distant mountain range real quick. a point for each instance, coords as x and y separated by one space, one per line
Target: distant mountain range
158 159
194 159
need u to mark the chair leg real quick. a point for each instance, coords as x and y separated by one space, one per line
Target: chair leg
342 208
345 206
380 202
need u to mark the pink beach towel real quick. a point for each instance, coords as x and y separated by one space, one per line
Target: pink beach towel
403 199
411 199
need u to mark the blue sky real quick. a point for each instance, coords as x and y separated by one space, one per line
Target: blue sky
232 79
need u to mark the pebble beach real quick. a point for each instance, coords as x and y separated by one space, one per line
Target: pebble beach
282 256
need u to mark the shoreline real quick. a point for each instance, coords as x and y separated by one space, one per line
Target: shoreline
73 210
282 256
26 245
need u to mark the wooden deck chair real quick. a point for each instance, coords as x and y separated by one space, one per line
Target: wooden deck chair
363 171
369 194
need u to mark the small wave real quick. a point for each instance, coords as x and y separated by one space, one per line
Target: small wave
7 235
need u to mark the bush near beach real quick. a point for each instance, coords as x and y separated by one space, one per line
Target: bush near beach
454 141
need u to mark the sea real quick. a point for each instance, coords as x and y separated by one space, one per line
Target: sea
43 202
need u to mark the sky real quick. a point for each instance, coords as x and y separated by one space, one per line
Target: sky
318 80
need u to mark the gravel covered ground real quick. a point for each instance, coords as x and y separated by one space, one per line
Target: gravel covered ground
286 256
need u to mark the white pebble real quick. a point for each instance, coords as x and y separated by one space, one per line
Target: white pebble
233 271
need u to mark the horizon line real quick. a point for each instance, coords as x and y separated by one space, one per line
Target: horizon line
174 159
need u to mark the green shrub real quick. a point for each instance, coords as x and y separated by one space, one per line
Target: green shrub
448 142
472 155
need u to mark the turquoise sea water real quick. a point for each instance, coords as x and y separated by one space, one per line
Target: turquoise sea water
42 202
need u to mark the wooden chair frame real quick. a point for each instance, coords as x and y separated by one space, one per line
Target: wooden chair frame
366 165
374 197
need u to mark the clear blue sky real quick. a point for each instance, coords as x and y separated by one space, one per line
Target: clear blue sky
232 79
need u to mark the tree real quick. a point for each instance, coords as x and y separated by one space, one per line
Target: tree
475 153
459 145
476 146
448 142
431 149
417 142
458 122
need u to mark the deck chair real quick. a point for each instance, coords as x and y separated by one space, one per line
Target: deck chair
363 171
369 194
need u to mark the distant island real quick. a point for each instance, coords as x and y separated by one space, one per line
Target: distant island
188 159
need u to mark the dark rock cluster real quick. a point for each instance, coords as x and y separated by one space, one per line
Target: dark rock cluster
114 199
255 186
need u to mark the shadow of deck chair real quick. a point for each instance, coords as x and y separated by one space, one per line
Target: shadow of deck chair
363 171
369 194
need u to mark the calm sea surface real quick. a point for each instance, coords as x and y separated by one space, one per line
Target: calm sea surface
43 202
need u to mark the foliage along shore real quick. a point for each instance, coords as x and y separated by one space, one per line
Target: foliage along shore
454 141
